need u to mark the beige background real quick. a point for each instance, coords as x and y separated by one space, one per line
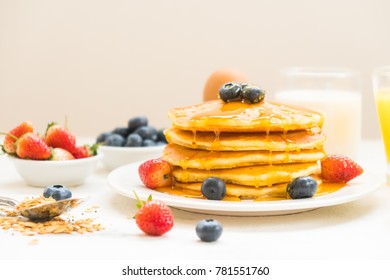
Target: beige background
101 62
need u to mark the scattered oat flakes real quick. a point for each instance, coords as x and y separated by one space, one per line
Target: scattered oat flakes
92 208
54 226
62 224
33 241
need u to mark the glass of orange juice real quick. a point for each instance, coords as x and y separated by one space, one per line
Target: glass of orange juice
381 83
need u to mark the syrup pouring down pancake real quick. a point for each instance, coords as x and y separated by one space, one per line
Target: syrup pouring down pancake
258 149
218 116
253 147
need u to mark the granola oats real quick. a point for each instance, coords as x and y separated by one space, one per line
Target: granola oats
57 225
33 201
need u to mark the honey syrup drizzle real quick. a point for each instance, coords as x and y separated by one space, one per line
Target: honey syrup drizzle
248 113
216 142
212 114
194 143
323 189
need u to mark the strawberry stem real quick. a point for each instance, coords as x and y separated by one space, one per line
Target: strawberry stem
48 126
139 203
10 135
93 149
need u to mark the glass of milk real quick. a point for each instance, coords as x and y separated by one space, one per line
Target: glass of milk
336 93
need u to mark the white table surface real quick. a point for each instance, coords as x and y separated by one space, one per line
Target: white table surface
356 230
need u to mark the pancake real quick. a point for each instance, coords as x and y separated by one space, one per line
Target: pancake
218 116
234 190
255 176
203 159
245 141
256 149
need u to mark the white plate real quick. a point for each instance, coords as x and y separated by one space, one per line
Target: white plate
125 181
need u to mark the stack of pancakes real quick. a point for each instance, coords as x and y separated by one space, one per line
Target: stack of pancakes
257 149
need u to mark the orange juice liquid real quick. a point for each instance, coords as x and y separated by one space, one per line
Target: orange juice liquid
382 98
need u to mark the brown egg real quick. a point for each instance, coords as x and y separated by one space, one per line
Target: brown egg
218 78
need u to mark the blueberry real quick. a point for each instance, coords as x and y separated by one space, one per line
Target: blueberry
302 187
147 132
213 188
122 131
230 91
58 192
148 143
136 122
252 94
102 137
133 140
161 136
160 143
115 140
209 230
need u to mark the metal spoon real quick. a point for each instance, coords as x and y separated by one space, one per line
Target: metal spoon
45 211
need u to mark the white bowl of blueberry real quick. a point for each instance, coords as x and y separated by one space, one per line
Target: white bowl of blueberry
138 141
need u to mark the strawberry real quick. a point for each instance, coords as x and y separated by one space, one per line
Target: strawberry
32 146
154 217
58 136
10 138
339 169
60 154
156 173
85 151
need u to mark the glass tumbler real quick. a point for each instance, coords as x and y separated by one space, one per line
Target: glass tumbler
381 87
334 92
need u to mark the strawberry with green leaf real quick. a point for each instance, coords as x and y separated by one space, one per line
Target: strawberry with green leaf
57 136
9 145
154 217
85 151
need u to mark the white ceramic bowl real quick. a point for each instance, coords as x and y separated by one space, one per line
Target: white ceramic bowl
42 173
114 157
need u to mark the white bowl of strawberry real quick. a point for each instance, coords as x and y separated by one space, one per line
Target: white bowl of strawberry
52 158
42 173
